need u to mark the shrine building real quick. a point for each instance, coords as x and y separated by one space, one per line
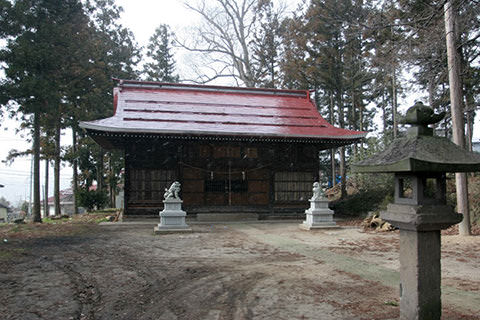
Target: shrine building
235 151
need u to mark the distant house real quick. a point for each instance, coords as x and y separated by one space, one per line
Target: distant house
66 204
3 212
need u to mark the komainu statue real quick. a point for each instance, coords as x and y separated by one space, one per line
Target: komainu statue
173 191
317 191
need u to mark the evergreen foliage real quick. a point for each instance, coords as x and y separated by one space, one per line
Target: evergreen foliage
161 66
58 61
92 199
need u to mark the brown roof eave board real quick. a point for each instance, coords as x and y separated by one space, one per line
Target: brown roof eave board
118 139
105 142
146 131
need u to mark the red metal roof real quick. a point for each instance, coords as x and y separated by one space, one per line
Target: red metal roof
180 109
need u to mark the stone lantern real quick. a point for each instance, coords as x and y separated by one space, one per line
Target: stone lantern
420 162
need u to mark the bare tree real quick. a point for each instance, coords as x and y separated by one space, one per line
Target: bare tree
225 39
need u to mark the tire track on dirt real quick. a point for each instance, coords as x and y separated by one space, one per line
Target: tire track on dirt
86 292
189 285
83 284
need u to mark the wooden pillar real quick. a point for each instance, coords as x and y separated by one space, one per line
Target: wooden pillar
126 186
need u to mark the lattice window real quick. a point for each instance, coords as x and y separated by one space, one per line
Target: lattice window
149 184
293 186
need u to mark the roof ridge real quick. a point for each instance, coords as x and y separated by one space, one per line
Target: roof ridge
124 83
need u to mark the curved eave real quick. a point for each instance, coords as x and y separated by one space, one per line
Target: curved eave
352 136
118 140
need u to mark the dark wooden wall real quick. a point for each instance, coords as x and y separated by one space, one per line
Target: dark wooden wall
219 174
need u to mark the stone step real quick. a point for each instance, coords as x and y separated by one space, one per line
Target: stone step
237 216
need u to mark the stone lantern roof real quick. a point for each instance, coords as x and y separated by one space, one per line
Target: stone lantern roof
420 150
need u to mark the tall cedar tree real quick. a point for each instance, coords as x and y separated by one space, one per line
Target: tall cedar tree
267 45
42 40
325 50
114 54
161 65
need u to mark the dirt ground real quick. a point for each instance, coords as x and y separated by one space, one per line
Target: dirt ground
220 271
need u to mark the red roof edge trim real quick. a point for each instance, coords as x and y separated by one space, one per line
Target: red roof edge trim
123 83
227 122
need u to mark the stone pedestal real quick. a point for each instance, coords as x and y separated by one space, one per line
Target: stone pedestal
318 216
172 218
420 275
420 285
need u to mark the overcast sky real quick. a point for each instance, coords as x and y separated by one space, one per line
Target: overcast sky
142 17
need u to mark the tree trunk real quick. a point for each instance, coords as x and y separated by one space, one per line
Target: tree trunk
470 119
332 161
354 121
468 91
384 117
37 217
56 168
111 185
445 121
431 89
343 172
45 195
458 124
332 154
100 170
341 122
394 104
469 108
360 109
75 169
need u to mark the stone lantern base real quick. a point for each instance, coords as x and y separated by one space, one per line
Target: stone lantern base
172 218
318 216
420 274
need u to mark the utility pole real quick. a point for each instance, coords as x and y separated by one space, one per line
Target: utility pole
458 124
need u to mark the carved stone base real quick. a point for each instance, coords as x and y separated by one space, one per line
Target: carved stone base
420 248
172 218
318 216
